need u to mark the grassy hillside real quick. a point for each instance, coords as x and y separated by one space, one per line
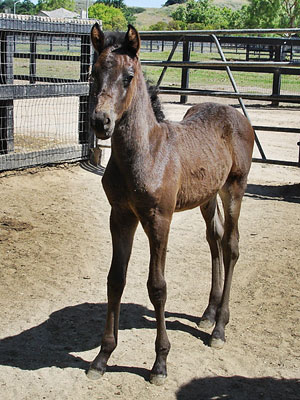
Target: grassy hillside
234 4
153 15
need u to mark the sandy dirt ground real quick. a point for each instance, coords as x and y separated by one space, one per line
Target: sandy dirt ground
55 253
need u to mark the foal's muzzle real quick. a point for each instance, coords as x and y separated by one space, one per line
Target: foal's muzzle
102 124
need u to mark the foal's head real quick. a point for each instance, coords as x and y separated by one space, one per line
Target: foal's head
113 79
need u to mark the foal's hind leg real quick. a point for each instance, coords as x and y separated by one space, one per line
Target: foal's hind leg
214 234
123 224
231 195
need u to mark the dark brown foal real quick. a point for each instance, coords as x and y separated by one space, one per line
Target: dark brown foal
158 168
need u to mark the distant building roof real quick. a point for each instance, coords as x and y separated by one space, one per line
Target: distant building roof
59 13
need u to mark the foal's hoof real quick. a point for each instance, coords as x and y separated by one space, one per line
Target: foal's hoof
216 343
158 380
205 323
94 374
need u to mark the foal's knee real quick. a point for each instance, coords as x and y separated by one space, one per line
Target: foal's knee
116 282
157 290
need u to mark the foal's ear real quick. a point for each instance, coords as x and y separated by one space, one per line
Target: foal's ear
132 40
97 37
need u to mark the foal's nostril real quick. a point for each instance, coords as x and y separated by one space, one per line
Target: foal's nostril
101 122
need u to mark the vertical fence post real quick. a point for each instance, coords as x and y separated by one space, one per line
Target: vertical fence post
185 71
32 59
6 106
277 76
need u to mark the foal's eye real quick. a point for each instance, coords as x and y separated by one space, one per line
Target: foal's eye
126 80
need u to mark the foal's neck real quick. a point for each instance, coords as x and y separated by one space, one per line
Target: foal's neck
139 121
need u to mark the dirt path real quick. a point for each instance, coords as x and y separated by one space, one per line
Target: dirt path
55 252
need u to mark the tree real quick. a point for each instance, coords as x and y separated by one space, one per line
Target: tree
262 14
26 8
136 10
170 26
272 14
203 14
128 12
112 3
290 17
55 4
129 15
112 18
6 5
171 2
159 26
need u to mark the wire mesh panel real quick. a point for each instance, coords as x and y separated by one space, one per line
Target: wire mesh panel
45 123
44 90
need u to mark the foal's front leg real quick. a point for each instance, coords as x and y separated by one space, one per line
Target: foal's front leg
157 228
123 224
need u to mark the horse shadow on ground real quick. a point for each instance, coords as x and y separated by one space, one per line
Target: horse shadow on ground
288 193
240 388
77 329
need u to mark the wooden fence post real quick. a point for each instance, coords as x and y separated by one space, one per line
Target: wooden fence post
32 59
6 106
277 76
185 71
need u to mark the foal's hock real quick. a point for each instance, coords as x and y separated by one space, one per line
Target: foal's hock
158 168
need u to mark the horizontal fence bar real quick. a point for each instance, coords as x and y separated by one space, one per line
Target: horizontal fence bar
202 38
286 68
241 40
206 64
49 156
8 92
221 32
276 129
45 79
56 57
233 95
277 162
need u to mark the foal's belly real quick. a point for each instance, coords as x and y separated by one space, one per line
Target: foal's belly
197 188
192 200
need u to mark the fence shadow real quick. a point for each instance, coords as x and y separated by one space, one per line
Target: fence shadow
90 167
240 388
289 193
79 328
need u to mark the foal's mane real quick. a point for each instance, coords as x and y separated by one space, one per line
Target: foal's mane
116 40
